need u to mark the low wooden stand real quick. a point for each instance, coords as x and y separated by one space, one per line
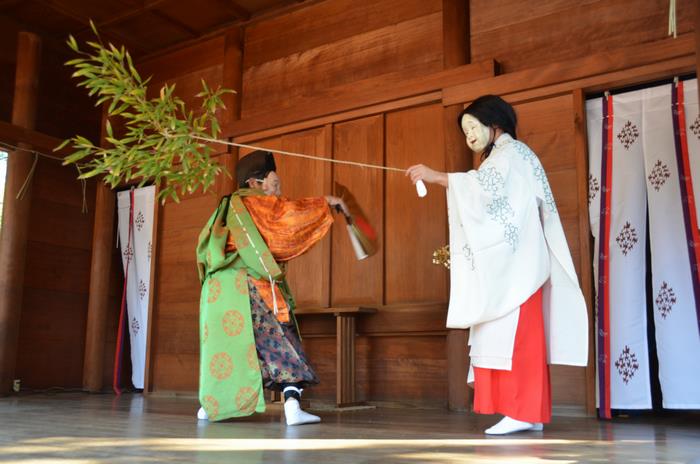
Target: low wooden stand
345 349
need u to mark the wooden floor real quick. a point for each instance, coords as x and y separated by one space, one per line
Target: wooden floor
82 428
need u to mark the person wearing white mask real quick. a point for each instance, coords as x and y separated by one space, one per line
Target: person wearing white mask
513 282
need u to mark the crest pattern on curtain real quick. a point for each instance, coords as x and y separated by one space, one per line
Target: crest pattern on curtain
644 147
136 252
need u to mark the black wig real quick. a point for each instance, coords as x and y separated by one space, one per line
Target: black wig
492 110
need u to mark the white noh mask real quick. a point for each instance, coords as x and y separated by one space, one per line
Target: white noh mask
478 135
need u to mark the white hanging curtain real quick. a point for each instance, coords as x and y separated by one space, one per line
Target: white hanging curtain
636 160
136 251
670 113
618 188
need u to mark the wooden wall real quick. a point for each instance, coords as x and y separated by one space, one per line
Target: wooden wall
333 43
365 82
362 81
52 331
522 35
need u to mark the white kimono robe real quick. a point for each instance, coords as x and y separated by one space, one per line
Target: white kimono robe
506 241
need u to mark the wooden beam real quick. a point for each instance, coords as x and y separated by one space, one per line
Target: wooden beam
126 14
225 26
174 22
15 223
571 70
16 135
98 294
432 97
61 9
287 7
367 92
606 81
238 11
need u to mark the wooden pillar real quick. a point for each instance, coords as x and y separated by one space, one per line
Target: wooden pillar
455 35
100 265
233 79
585 252
15 215
345 353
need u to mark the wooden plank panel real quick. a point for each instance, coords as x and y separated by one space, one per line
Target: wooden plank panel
575 28
326 22
60 225
176 373
568 385
178 245
357 96
187 60
190 212
57 268
182 329
411 47
64 179
353 281
405 369
51 341
546 126
414 226
177 282
307 178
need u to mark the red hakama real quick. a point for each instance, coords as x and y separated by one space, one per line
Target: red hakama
523 393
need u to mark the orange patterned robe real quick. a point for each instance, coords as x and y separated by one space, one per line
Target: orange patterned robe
289 228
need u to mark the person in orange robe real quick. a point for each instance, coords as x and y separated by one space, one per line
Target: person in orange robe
289 228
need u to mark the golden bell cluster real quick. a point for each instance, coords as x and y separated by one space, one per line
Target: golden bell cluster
442 256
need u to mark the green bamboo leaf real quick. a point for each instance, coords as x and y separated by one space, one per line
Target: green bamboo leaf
63 145
72 43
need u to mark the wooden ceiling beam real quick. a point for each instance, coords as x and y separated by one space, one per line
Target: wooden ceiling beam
193 33
61 9
238 11
130 13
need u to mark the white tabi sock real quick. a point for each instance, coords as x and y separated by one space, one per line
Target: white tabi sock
202 414
508 425
294 415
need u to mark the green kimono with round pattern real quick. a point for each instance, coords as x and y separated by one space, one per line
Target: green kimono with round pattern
230 382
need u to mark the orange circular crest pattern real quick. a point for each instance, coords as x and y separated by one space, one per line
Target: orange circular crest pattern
214 290
233 322
242 283
253 357
211 406
221 366
247 400
205 333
